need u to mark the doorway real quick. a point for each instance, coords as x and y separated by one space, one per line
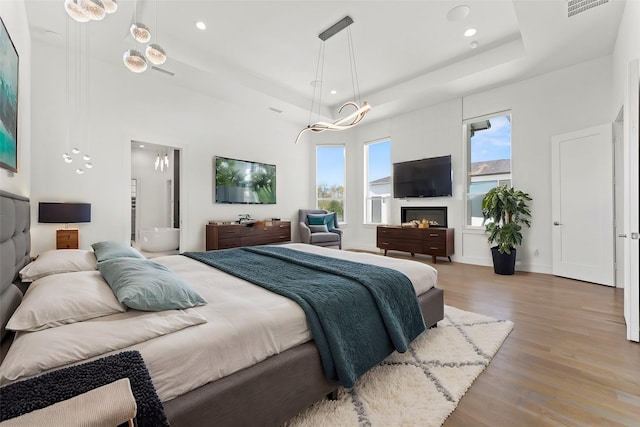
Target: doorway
155 198
582 205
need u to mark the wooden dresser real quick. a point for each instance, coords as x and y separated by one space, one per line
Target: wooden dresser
67 239
225 236
432 241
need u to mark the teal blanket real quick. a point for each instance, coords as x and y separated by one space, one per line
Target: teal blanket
357 313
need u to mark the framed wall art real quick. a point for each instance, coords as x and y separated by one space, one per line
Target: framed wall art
8 101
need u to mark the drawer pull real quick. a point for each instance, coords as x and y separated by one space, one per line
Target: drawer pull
432 247
433 234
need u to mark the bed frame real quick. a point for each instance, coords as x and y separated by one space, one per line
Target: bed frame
15 247
268 393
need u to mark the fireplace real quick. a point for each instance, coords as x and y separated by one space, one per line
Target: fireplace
430 213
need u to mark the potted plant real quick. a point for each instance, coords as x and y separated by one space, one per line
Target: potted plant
505 211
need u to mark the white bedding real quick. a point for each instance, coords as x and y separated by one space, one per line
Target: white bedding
245 325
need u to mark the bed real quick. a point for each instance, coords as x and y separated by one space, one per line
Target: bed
250 361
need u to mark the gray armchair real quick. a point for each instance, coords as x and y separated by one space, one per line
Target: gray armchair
319 238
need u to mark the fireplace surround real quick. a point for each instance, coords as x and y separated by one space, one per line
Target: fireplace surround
430 213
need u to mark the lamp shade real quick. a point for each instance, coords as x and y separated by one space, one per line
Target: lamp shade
64 213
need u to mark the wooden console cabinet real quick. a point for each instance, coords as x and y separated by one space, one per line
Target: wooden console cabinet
432 241
225 236
67 239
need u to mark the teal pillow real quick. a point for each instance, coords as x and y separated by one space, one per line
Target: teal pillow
108 250
145 285
322 219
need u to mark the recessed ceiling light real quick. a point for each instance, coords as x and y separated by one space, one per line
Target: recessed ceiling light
458 13
333 92
141 145
470 32
201 25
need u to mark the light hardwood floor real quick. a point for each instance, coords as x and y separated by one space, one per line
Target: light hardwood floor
566 362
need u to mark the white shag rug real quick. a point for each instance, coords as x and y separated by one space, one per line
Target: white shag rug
422 386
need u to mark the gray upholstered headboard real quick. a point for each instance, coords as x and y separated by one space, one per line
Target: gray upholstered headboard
15 249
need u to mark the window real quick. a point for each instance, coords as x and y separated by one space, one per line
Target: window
330 162
378 184
488 160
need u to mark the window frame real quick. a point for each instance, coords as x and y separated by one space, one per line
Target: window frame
467 162
344 183
388 198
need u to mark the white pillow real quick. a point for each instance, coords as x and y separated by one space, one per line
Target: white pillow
58 261
64 298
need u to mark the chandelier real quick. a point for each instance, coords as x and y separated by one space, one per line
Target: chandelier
77 88
89 10
133 59
360 109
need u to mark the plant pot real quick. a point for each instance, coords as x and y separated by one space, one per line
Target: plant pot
503 263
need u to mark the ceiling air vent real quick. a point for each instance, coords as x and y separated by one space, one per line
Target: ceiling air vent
162 70
575 7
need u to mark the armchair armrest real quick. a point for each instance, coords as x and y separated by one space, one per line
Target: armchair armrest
337 231
305 233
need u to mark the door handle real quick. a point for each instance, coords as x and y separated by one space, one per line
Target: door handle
622 235
634 236
556 223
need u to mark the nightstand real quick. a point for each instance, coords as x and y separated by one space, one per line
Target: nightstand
67 238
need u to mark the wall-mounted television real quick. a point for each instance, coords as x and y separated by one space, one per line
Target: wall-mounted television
431 177
242 181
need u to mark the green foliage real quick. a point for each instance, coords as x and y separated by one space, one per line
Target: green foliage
264 183
505 211
330 191
332 206
227 173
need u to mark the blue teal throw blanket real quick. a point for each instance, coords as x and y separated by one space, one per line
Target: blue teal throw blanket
358 313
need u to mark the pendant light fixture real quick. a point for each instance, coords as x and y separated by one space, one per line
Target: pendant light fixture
154 52
76 85
134 61
89 10
75 11
110 5
94 9
361 109
140 32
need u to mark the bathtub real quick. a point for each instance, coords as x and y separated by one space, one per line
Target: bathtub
159 239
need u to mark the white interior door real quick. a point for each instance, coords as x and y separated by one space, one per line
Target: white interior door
631 204
582 205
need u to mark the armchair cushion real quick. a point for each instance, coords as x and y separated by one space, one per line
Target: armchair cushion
318 228
327 219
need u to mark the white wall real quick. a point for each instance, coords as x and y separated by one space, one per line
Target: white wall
124 106
570 99
14 16
627 48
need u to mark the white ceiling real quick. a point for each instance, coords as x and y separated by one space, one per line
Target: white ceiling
263 54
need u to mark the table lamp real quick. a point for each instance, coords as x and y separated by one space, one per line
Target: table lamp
64 213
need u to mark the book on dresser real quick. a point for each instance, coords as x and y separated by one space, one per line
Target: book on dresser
434 241
225 236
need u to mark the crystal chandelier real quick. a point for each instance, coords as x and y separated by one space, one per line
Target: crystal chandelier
89 10
154 53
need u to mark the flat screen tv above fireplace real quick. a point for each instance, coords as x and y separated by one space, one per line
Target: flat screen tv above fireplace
429 177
